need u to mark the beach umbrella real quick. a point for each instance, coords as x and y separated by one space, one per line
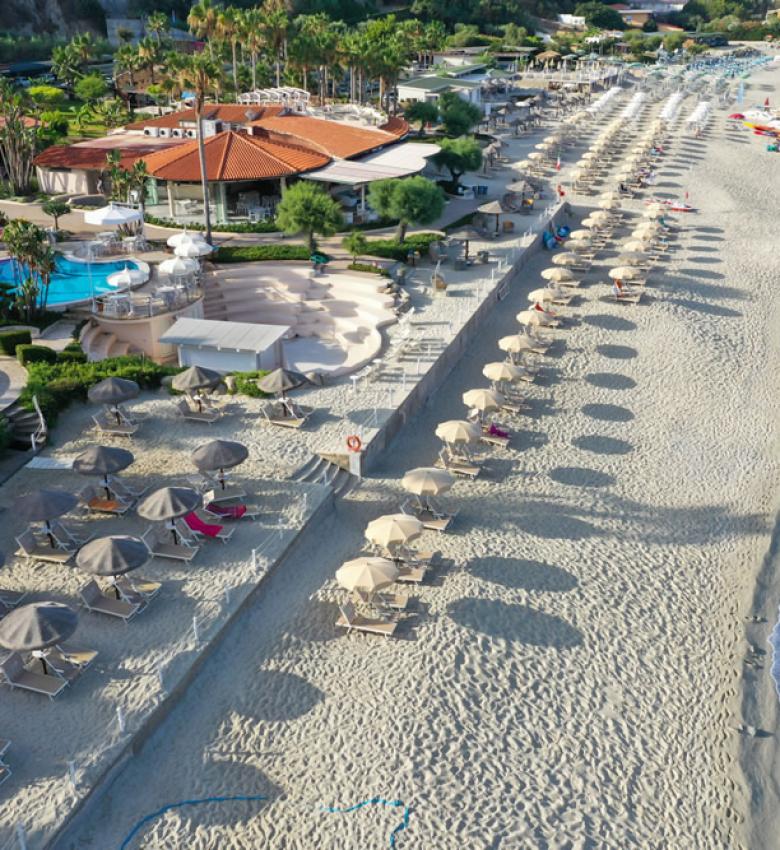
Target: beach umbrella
178 266
524 164
37 626
632 258
280 381
535 156
635 245
127 278
625 273
196 378
501 371
566 259
517 343
580 245
609 205
559 275
609 196
599 216
580 234
168 503
183 236
542 295
427 481
44 505
648 230
102 460
393 530
113 556
219 454
483 400
192 249
367 574
534 318
113 391
458 431
112 216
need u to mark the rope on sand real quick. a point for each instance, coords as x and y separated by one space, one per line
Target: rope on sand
378 801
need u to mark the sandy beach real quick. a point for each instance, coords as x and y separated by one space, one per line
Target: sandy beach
572 676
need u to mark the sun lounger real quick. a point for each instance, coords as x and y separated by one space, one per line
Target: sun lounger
31 550
627 297
186 412
276 414
5 771
106 425
17 675
171 550
411 574
101 504
493 439
457 466
238 511
11 598
93 599
350 620
69 662
430 520
390 601
204 530
122 490
65 538
143 587
218 491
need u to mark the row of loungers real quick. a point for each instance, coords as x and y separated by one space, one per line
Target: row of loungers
60 667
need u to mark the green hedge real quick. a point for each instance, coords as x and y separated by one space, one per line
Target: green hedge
260 253
59 384
72 355
246 383
391 249
10 339
27 354
243 227
369 267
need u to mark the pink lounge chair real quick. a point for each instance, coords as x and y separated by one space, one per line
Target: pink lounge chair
226 511
196 524
495 431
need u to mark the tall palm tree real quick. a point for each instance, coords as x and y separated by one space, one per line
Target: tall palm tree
275 26
198 73
157 25
202 21
252 37
229 29
149 54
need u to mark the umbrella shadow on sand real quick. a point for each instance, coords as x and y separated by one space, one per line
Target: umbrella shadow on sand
609 323
581 476
522 574
610 381
278 697
515 623
608 412
601 445
617 352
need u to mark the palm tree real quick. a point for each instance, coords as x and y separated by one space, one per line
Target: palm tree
229 28
252 37
149 54
275 25
202 21
157 24
126 60
198 73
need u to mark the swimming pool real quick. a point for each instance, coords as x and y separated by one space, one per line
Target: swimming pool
70 282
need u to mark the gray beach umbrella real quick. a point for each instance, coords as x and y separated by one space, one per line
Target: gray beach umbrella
113 391
44 505
196 378
112 556
219 454
37 626
168 503
102 460
280 381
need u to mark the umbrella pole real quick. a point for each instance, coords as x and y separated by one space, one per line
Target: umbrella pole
49 534
106 487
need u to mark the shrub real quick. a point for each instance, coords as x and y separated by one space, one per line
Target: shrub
369 267
10 339
246 383
26 354
259 253
243 227
72 355
391 249
5 434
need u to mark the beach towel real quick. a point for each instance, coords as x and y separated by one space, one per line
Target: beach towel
495 431
197 524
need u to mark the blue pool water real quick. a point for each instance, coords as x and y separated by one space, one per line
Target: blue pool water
71 281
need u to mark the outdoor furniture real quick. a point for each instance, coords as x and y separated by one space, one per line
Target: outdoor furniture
204 530
93 599
207 416
69 663
11 598
456 465
106 424
97 503
285 415
136 584
5 771
166 549
32 550
17 675
350 620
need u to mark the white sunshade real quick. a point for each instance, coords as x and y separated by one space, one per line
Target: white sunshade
192 249
178 266
397 161
112 216
128 277
228 336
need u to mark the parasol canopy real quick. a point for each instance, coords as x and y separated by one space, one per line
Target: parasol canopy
44 505
367 574
113 391
219 454
102 460
280 381
393 530
113 556
196 378
169 503
427 481
37 626
458 431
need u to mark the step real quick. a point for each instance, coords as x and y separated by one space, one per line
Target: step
119 349
101 346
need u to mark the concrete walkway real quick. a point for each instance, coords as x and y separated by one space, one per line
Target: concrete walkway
13 379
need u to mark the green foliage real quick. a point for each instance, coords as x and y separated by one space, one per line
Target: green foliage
457 116
69 355
45 95
392 249
10 339
57 385
458 156
5 434
599 15
55 209
246 383
306 208
27 354
423 111
91 88
260 253
413 200
369 268
356 243
28 48
244 227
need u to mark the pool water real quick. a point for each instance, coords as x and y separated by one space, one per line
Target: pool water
71 279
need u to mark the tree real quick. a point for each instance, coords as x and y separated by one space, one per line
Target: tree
90 89
457 115
458 156
197 73
423 111
157 25
674 41
55 209
229 29
599 15
202 21
275 24
149 54
127 61
45 95
28 245
413 200
356 243
18 138
253 38
306 208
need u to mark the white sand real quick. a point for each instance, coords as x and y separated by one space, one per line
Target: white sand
570 680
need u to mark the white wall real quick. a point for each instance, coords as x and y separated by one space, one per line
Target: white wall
71 182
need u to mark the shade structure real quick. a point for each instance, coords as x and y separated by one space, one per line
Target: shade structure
609 196
566 259
608 204
502 371
427 481
44 505
560 275
113 391
533 318
635 245
178 266
184 236
458 431
192 249
196 378
580 234
632 258
483 400
625 273
112 216
280 381
649 227
113 556
524 163
491 208
219 454
535 156
102 460
127 277
600 216
580 245
393 530
540 296
37 626
168 503
516 343
653 215
652 209
367 574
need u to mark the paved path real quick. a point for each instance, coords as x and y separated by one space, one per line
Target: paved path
13 378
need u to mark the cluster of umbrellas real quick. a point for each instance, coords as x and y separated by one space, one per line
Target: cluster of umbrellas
188 248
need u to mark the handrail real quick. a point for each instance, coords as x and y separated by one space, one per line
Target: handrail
137 305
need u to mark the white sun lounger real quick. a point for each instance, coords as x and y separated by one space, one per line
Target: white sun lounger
350 620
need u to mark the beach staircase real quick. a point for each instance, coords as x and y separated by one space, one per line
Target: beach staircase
27 428
328 470
99 343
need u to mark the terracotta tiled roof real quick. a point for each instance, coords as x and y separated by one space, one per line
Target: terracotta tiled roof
397 126
235 156
93 158
335 138
26 120
232 113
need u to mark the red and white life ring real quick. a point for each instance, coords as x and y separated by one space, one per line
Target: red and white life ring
354 443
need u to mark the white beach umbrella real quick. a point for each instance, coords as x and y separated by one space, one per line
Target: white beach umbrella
503 371
427 481
560 275
533 318
625 273
127 277
535 156
112 216
580 245
524 164
192 249
580 234
367 574
483 400
542 295
566 259
393 530
517 343
609 196
632 258
635 245
178 266
599 216
182 236
458 431
609 205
